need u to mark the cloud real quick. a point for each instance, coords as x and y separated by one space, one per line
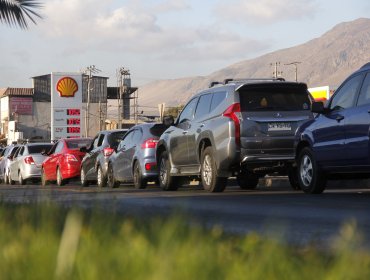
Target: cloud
266 11
91 25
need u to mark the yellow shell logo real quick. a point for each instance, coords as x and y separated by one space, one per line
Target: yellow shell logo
67 87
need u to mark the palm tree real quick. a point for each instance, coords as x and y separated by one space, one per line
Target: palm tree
18 12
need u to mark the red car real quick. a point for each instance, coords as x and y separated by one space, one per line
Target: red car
64 160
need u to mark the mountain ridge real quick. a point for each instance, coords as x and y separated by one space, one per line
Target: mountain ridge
325 60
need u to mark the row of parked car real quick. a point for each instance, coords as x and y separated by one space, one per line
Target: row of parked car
243 128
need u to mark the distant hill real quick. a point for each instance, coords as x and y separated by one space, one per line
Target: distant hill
326 60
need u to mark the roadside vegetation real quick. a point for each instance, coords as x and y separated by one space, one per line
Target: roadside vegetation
48 242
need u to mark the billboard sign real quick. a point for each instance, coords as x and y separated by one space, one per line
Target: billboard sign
21 105
66 105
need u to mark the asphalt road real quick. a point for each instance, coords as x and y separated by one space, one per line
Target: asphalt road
272 209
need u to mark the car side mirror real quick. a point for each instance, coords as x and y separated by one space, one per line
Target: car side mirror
83 149
318 107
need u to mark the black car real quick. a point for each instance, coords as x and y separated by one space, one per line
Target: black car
336 144
94 164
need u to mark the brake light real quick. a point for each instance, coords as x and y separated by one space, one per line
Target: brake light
231 113
150 143
29 160
108 151
70 157
149 166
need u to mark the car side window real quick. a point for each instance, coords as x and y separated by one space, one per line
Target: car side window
126 140
59 147
101 139
19 152
217 98
188 112
203 105
137 136
345 96
364 97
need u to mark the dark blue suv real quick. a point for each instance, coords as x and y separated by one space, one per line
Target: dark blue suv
335 144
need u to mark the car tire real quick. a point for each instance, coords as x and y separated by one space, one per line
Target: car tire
311 178
44 182
60 180
111 181
247 180
139 181
84 181
20 178
166 181
11 181
101 179
210 181
293 178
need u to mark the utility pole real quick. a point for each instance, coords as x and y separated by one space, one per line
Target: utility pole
123 76
89 71
295 63
276 73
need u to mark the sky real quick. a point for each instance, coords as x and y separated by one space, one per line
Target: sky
165 39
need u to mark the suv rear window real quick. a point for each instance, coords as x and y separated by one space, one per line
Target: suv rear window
78 143
115 137
157 130
37 149
272 97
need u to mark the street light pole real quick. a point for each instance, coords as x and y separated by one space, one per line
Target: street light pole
295 63
89 71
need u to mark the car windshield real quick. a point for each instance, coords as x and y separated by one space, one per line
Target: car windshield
272 98
38 149
78 143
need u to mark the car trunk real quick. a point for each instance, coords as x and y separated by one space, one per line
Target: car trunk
270 115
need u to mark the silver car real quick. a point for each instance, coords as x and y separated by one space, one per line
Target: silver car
26 163
5 160
134 159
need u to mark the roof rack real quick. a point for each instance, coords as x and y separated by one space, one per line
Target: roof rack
252 79
212 84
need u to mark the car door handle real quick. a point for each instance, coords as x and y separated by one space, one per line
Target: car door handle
184 132
339 118
202 125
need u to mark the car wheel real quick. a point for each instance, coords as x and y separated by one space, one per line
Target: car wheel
101 179
210 181
247 180
11 181
139 181
310 177
111 181
44 182
20 179
84 182
60 180
166 181
6 178
293 178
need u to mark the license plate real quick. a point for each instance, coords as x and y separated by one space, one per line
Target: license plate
279 126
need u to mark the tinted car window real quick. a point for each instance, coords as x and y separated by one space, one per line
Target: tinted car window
203 105
188 112
78 143
365 92
345 96
217 98
157 130
39 148
13 151
274 98
128 139
115 137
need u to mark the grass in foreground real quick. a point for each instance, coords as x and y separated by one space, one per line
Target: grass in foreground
47 242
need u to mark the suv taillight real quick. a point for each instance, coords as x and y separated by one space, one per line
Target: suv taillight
150 143
230 113
108 151
29 160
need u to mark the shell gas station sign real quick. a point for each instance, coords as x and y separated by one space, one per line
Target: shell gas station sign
66 105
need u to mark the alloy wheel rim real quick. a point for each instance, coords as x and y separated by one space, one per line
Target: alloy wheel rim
59 177
207 170
306 170
82 176
163 171
99 176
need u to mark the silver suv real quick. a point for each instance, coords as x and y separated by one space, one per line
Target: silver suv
242 128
